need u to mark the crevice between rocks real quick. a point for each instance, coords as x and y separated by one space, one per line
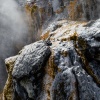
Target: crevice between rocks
78 93
86 66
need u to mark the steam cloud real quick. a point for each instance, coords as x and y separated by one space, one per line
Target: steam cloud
14 33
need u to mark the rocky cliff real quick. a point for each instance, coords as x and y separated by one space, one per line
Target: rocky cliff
64 64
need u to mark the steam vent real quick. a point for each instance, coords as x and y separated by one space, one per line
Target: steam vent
64 62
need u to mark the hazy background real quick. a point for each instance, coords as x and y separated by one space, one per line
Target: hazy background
14 33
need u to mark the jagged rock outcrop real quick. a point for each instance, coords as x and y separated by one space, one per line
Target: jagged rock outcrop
8 90
64 64
34 56
72 71
44 12
27 72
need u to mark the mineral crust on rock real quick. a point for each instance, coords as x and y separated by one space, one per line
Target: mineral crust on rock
72 70
65 63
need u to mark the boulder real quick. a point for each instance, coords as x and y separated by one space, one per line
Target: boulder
28 70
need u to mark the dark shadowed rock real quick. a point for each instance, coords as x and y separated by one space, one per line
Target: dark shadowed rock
28 71
31 59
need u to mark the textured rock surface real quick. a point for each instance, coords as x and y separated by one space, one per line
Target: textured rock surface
8 89
29 69
44 12
71 72
73 9
76 61
31 59
76 57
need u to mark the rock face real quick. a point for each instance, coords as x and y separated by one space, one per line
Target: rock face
75 47
44 12
72 71
31 59
8 90
64 64
73 9
29 69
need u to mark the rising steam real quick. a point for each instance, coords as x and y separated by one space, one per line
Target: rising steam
14 33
